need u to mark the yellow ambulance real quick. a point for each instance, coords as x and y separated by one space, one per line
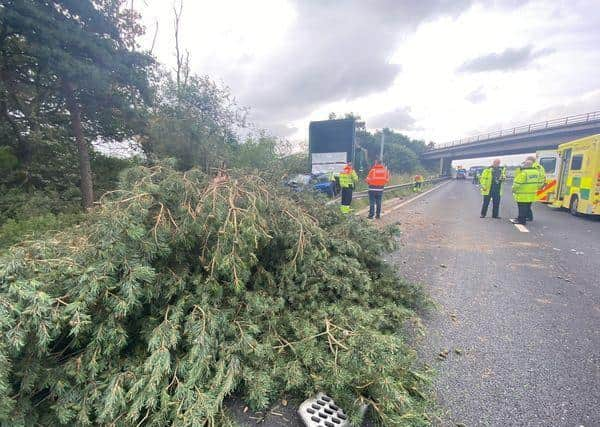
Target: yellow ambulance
578 179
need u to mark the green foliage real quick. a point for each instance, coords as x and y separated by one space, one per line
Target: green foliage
401 154
14 231
8 161
42 190
66 70
183 289
20 204
258 154
193 123
399 158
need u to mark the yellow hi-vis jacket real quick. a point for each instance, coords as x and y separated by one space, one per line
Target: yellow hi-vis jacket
526 184
542 171
348 178
486 178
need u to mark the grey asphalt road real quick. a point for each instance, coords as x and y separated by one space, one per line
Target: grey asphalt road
518 313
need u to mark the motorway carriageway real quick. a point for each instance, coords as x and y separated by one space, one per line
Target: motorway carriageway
518 311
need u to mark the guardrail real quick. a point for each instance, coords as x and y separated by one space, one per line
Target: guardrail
525 129
365 193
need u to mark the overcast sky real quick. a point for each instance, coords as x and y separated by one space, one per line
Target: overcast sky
432 69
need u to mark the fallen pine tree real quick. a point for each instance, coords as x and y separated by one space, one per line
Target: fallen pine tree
181 289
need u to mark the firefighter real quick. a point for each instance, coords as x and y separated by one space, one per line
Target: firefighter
348 179
542 182
490 184
418 183
525 186
377 179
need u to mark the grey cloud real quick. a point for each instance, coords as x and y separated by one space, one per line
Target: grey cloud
509 59
335 51
279 129
399 119
586 103
477 96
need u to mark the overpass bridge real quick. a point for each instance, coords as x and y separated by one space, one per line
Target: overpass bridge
518 140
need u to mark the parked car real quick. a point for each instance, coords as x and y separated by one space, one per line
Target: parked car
308 182
461 174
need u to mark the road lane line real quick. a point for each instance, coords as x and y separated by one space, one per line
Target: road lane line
521 228
406 202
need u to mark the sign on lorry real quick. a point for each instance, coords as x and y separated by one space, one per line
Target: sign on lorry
331 145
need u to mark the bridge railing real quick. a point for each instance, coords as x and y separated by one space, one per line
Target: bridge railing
524 129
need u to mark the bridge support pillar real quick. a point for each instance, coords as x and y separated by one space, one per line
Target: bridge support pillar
445 166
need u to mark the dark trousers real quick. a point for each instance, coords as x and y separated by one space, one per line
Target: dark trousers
346 196
375 198
524 209
495 197
530 213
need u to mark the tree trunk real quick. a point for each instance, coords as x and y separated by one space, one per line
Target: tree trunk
85 168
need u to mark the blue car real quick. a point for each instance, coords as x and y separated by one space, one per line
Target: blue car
319 183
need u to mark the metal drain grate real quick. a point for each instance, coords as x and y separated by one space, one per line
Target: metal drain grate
322 411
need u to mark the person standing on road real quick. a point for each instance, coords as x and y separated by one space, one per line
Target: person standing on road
525 187
491 188
418 183
378 177
542 182
348 180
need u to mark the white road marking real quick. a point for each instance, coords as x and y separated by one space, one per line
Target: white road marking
521 228
406 202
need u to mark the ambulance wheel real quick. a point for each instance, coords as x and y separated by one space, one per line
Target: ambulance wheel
573 205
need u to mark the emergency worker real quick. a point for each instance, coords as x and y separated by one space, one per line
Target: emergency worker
490 184
525 186
378 177
540 168
348 180
418 183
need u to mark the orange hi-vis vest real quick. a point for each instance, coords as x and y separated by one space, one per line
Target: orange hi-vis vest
378 177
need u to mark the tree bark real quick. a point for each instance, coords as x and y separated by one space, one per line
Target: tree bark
85 168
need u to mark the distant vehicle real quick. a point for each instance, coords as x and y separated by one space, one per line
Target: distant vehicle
578 179
473 170
461 174
308 182
550 160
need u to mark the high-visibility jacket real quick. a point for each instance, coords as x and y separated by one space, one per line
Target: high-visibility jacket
526 184
542 171
418 178
348 177
487 177
378 177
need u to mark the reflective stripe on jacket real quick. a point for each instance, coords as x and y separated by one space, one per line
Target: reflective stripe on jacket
486 178
378 177
526 184
348 178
